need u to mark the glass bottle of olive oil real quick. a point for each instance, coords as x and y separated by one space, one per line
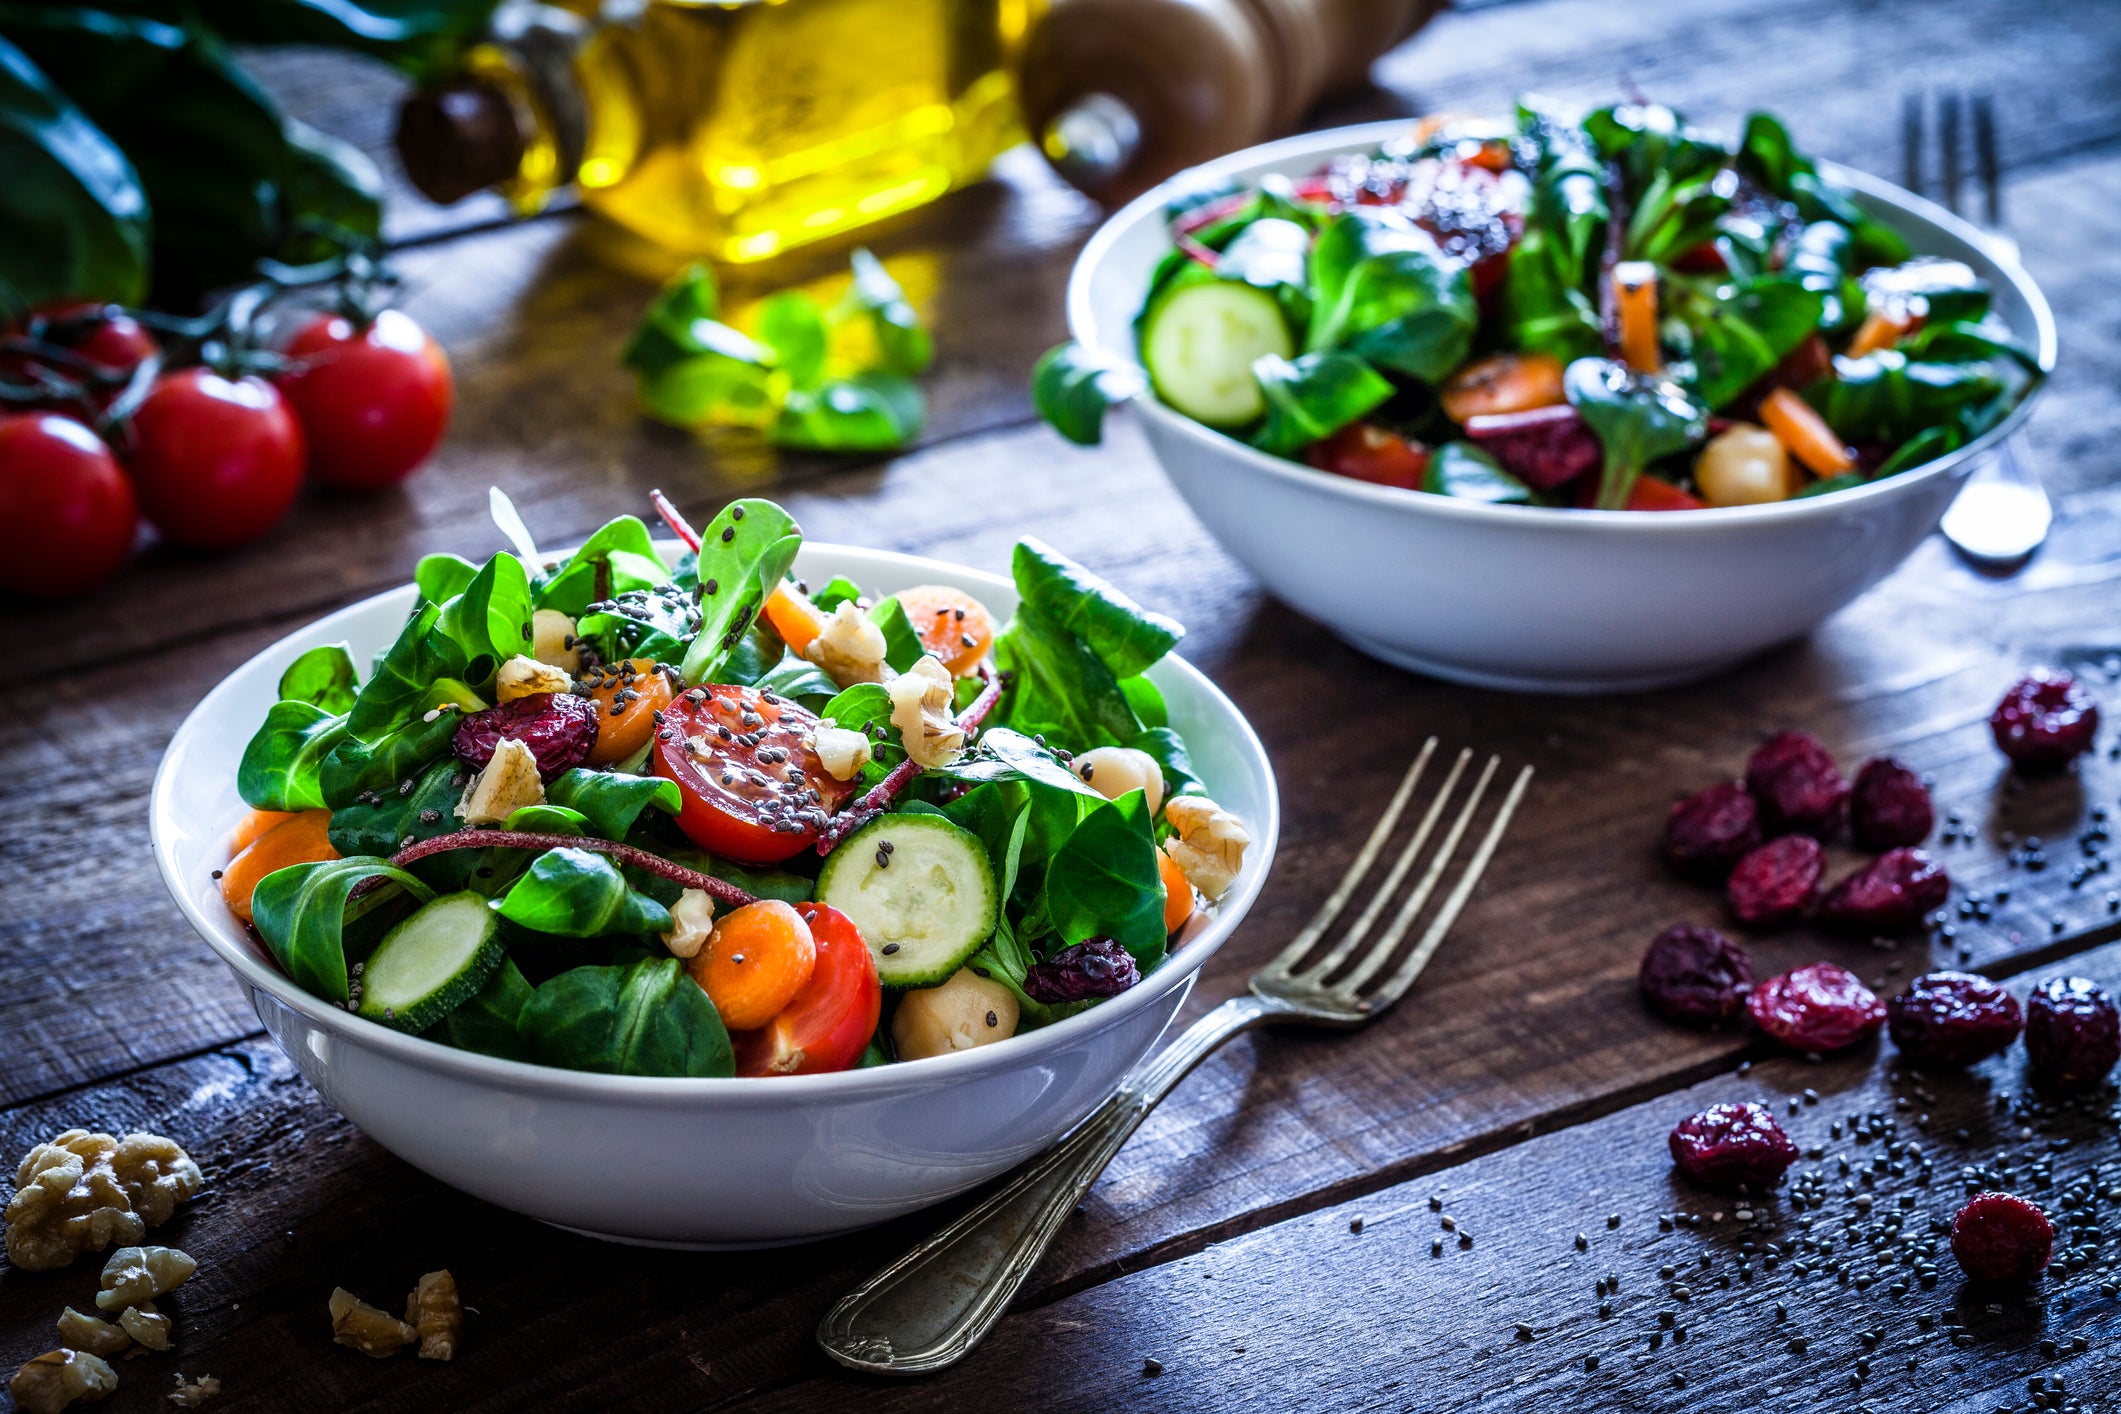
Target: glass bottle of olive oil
733 130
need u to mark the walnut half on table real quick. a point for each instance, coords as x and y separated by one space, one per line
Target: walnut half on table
83 1192
57 1378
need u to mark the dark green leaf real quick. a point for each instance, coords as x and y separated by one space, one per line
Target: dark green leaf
690 367
385 763
744 552
405 681
1312 397
796 677
1828 485
902 641
487 1022
1164 745
869 412
902 343
1888 397
548 820
386 821
1062 688
643 1018
1126 637
302 912
612 800
1937 290
577 894
443 576
1386 293
619 558
281 766
1463 470
1925 446
331 190
73 208
1146 699
418 36
1739 338
1636 417
489 619
840 590
1072 388
1545 311
791 324
1105 881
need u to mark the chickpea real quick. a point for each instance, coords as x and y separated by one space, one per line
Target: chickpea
966 1011
552 641
1112 771
1745 466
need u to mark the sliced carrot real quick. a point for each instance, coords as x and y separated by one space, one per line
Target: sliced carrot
298 839
793 616
1503 383
255 824
1881 329
1805 433
1635 295
626 696
953 625
753 964
1178 893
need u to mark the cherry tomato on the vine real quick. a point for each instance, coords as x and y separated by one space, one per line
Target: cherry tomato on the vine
374 401
218 460
67 515
747 768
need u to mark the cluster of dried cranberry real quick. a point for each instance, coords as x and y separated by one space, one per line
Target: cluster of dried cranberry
1761 838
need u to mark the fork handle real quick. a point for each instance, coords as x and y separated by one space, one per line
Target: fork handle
928 1309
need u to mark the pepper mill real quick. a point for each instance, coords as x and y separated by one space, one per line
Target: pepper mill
1120 94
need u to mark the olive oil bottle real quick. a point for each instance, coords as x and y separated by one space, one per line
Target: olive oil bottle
731 130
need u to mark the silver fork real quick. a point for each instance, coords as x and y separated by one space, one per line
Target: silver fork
928 1309
2002 514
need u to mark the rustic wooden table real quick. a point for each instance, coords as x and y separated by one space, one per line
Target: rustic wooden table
1521 1091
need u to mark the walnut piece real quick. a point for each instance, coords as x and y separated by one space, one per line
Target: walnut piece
146 1325
195 1393
1210 845
83 1192
357 1324
693 915
850 647
505 785
136 1275
57 1378
78 1331
841 751
920 709
434 1310
524 676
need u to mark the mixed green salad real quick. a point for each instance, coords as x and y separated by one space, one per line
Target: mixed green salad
1619 311
613 813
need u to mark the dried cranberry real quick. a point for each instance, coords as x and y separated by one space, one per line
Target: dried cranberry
1889 805
1798 785
1888 895
1732 1146
558 727
1096 968
1818 1008
2072 1033
2045 722
1695 976
1546 448
1711 830
1950 1019
2001 1237
1776 882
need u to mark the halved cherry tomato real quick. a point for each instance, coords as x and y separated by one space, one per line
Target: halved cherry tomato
827 1025
626 696
1367 452
1178 893
746 765
1654 493
793 616
953 625
758 959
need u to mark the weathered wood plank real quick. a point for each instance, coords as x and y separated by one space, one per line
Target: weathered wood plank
1354 1307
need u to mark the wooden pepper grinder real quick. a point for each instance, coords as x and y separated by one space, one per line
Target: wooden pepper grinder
1120 94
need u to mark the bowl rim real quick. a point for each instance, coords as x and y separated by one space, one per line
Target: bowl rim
1085 325
242 957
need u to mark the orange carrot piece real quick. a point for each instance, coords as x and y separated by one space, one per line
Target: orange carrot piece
255 824
953 625
1635 294
624 727
794 617
1805 433
1881 329
755 962
1178 893
299 839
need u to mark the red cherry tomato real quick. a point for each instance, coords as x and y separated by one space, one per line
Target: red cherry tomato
827 1025
1367 452
105 335
1650 493
747 768
67 516
374 401
219 459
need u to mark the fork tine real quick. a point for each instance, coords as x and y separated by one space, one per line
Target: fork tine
1985 159
1289 956
1381 953
1948 141
1911 141
1418 959
1343 949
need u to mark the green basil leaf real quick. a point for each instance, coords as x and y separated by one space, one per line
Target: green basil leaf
1146 700
487 1022
840 590
611 800
302 912
1463 470
744 552
868 412
72 203
1386 293
796 677
282 764
1126 637
577 894
1313 397
404 683
644 1018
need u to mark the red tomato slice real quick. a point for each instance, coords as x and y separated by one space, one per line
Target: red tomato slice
746 764
1367 452
1654 493
827 1025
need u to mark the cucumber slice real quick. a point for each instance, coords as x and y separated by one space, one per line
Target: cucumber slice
922 913
431 963
1199 344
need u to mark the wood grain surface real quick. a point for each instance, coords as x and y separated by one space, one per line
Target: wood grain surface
112 1014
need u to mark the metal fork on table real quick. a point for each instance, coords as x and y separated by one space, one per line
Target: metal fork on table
2002 514
929 1308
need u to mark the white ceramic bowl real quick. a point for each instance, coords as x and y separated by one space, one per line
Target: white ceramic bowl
1530 598
696 1163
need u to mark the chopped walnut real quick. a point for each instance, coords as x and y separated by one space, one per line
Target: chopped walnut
841 751
552 640
134 1275
146 1325
57 1378
524 676
850 647
195 1393
434 1310
357 1324
83 1192
920 709
693 914
505 785
79 1331
1210 845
